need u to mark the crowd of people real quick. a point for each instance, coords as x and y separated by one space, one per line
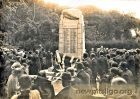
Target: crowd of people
32 74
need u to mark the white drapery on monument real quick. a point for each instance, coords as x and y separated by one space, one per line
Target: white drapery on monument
72 33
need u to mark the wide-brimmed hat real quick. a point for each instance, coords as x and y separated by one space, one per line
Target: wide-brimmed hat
17 65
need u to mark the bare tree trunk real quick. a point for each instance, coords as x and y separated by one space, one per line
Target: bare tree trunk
33 11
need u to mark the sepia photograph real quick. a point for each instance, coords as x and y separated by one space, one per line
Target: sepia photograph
69 49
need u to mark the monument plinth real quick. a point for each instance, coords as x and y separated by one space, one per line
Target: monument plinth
72 33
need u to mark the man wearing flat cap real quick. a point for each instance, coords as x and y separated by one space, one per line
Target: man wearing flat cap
68 92
82 75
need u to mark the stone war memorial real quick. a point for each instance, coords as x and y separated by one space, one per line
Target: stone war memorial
72 33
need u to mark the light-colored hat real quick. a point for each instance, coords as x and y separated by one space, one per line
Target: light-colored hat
16 65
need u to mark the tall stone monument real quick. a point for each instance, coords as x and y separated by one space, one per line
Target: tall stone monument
72 33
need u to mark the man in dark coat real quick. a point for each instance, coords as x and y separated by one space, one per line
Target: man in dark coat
127 74
49 59
94 66
43 59
67 62
88 70
34 64
116 78
44 86
137 63
68 92
131 63
82 75
102 65
87 58
2 74
2 82
119 56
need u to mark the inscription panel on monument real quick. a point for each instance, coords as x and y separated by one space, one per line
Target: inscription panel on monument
73 41
71 33
70 40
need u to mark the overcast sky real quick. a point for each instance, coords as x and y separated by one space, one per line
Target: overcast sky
124 6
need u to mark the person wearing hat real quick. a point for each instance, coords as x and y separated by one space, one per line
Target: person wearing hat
12 83
131 62
49 58
75 81
119 56
82 75
137 63
116 77
67 62
8 68
25 89
127 74
44 86
94 67
36 64
87 58
68 92
88 70
102 64
117 82
16 65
